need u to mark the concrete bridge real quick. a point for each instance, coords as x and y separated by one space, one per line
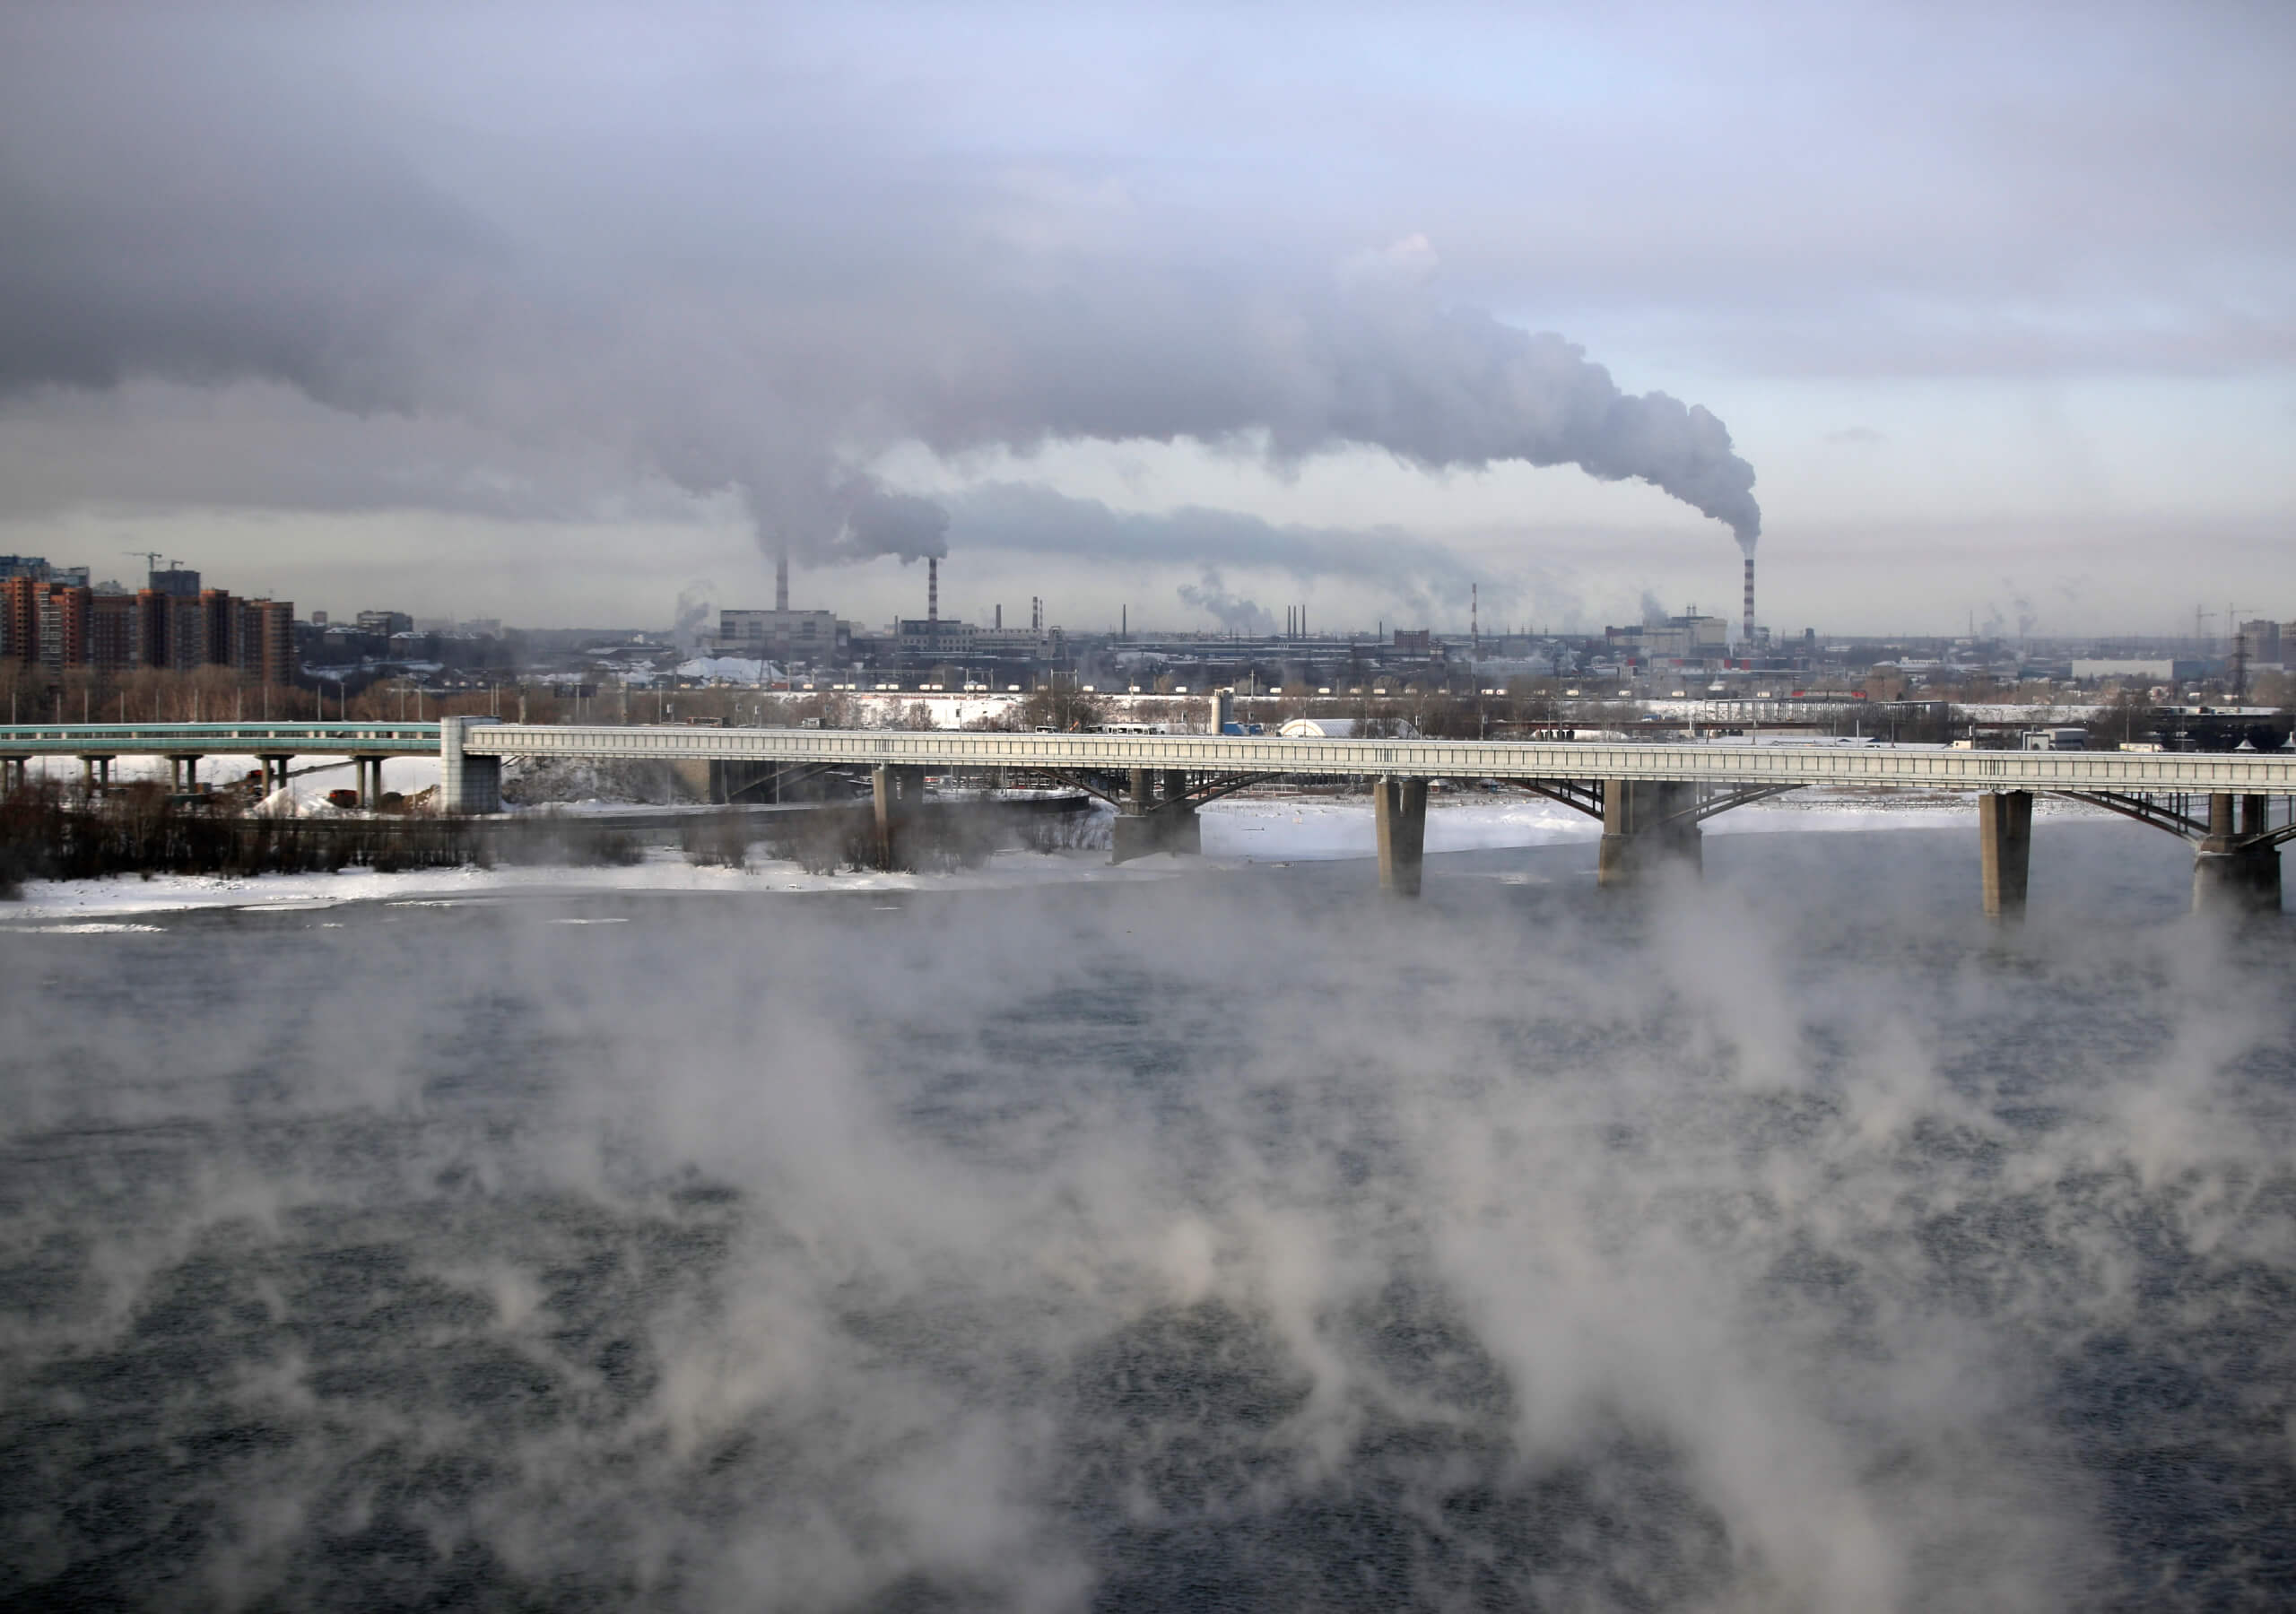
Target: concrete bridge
184 745
2234 808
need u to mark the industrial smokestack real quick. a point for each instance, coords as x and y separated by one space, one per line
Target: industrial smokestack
933 604
1750 596
781 581
1000 619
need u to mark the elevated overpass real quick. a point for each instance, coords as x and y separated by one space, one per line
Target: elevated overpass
2233 807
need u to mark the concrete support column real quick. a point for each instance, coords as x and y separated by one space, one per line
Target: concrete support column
1177 828
87 775
2005 831
897 792
1133 833
468 783
2231 872
1645 823
1399 818
1146 824
13 776
188 776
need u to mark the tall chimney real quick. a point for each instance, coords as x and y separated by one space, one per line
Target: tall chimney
1000 619
781 581
933 604
1750 598
1475 620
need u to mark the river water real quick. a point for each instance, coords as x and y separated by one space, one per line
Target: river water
1793 1241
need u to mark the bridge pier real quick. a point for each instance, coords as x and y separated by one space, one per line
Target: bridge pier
897 792
14 774
1647 823
1145 824
467 783
1399 817
95 774
2004 832
2234 870
183 773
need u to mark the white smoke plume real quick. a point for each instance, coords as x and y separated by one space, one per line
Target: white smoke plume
266 198
1210 595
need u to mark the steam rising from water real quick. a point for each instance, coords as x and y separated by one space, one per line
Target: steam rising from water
1210 1245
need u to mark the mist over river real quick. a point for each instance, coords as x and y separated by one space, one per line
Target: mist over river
1241 1240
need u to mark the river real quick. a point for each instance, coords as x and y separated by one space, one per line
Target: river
1796 1240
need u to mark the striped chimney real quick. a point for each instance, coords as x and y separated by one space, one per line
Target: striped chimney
781 581
1750 597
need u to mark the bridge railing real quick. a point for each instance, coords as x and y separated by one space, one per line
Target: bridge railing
2268 773
130 737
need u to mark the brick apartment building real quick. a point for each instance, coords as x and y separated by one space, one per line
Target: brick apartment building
60 622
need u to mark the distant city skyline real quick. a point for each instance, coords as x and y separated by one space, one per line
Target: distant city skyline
556 315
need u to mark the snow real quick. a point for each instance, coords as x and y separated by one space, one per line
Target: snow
663 870
728 669
1238 830
406 775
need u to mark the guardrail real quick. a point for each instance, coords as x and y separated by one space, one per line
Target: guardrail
2265 773
2270 773
75 739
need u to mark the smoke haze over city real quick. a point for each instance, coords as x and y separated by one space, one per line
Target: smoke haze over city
579 304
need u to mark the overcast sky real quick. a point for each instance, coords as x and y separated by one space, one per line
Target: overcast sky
553 312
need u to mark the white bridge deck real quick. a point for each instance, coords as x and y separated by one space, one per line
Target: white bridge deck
2250 773
2269 773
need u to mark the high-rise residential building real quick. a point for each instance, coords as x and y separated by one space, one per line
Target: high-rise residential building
385 622
111 630
51 617
150 647
63 625
183 637
19 611
2264 641
219 627
267 647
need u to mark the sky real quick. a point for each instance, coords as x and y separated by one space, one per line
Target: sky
1958 316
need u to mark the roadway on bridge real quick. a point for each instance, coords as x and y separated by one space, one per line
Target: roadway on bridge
1780 763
